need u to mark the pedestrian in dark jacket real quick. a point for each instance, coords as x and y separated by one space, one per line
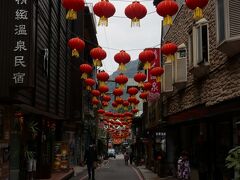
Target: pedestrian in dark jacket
90 158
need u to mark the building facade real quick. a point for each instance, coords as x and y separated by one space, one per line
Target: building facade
200 89
41 94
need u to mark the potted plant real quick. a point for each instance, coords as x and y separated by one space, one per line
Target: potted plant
233 161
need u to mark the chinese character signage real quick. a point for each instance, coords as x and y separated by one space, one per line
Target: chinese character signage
21 45
156 86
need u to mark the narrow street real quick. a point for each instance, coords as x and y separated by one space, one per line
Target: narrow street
113 169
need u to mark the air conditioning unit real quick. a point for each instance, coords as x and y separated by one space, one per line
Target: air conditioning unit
167 78
228 26
180 67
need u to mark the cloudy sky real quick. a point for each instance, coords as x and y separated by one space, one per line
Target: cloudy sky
121 36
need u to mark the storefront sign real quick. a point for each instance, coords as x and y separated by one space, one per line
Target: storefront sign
21 45
156 86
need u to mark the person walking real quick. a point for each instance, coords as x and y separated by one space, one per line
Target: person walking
131 157
126 157
183 167
90 158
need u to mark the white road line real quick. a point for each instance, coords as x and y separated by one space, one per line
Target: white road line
139 176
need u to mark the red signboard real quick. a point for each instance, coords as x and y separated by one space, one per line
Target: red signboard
156 86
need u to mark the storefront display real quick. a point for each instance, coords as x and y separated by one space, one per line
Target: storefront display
61 156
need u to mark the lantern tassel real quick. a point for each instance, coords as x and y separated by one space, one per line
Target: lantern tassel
94 98
140 84
198 13
121 86
99 63
170 58
158 79
75 53
84 76
71 15
102 83
89 88
135 22
95 61
122 67
147 65
103 21
167 20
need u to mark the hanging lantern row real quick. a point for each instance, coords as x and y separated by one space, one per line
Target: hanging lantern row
135 11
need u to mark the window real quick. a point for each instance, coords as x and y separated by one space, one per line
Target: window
199 43
221 20
190 49
228 26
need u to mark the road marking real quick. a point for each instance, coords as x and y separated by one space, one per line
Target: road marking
138 174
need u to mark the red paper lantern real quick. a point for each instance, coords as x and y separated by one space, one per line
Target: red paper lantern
114 104
126 105
95 93
144 96
72 6
77 45
95 102
122 58
197 6
103 89
101 111
104 10
147 86
119 102
104 104
135 111
135 12
140 78
169 49
167 9
85 69
121 79
89 83
157 71
102 77
118 92
146 57
132 100
98 54
132 91
106 98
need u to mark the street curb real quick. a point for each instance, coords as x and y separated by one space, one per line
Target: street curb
137 169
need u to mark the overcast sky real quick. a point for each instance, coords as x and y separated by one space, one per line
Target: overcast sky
120 35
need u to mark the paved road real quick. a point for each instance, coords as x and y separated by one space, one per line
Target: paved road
114 169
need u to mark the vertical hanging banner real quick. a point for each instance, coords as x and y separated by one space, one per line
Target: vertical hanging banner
156 86
22 48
